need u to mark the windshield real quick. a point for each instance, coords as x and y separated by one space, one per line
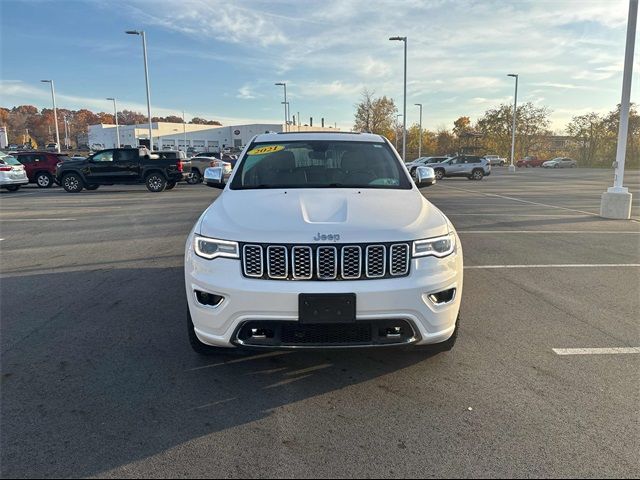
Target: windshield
320 164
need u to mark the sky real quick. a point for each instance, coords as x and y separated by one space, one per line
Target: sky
220 59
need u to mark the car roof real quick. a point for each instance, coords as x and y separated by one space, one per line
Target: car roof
328 136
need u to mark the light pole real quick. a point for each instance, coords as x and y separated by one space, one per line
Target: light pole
286 110
397 117
184 132
287 106
616 201
404 108
146 77
420 134
55 112
66 132
512 167
115 115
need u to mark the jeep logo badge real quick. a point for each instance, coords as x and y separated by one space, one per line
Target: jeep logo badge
331 237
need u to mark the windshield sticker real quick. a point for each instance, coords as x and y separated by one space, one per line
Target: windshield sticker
267 149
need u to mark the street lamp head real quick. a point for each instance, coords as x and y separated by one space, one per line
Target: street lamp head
512 75
399 39
110 98
280 84
46 81
132 32
418 104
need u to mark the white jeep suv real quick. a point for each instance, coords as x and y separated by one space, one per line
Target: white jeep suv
322 240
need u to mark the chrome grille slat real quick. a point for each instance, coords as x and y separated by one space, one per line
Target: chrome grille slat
277 261
351 262
399 259
327 262
252 260
302 262
376 261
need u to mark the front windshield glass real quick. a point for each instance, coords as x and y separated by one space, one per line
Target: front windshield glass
320 164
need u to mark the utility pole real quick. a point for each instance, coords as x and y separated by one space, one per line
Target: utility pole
616 201
512 167
420 135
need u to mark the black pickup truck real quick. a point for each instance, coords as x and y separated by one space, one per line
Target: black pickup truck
121 166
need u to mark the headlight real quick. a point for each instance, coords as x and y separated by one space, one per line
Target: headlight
211 248
437 247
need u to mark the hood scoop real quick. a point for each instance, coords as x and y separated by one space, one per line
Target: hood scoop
324 208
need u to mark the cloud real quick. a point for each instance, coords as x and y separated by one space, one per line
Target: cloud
223 21
564 86
15 92
245 93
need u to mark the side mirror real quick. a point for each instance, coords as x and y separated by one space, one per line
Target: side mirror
425 177
213 177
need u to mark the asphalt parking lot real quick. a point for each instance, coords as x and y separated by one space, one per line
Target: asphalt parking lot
98 378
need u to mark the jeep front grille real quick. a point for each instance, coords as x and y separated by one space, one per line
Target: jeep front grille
326 262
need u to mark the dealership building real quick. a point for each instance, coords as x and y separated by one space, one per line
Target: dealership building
179 136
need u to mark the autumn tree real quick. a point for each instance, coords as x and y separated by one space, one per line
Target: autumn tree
532 129
429 143
375 115
202 121
589 133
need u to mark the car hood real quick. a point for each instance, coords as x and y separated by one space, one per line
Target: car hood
299 215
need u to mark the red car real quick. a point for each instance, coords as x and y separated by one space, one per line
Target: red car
41 166
530 162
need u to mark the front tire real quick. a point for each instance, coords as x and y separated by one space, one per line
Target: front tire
439 174
194 178
13 188
170 185
72 183
44 180
92 187
156 183
477 174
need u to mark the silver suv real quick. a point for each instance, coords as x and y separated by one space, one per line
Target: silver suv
470 166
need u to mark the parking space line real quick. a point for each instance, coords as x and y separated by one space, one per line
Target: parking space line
511 215
521 200
596 351
37 219
565 265
560 232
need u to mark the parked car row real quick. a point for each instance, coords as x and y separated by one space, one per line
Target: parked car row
471 166
558 162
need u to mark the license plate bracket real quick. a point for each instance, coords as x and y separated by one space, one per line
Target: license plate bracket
323 308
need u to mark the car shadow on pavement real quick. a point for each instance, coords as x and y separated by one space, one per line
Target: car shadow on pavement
97 373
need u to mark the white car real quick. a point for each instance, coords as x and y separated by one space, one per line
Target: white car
495 160
560 162
12 173
322 240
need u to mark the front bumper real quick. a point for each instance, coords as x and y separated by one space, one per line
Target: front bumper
263 302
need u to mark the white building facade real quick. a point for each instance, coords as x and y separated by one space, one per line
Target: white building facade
179 136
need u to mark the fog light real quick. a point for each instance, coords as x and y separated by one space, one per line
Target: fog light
209 299
443 297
